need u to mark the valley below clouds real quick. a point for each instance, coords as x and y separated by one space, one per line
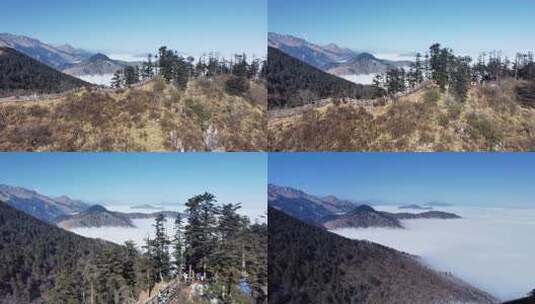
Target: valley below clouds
490 248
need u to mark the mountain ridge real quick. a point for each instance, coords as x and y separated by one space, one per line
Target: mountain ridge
21 74
334 213
38 205
58 58
331 58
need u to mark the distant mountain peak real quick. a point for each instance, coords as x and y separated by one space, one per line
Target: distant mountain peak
96 209
363 208
58 57
99 56
365 56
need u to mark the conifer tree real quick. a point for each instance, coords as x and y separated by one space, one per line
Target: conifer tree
460 78
117 80
178 246
160 249
199 233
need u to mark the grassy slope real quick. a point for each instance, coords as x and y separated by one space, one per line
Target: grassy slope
490 119
153 117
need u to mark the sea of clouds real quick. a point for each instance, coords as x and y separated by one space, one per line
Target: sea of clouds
104 79
144 227
491 248
360 78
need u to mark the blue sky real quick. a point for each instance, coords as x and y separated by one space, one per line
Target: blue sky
469 27
479 179
136 26
141 177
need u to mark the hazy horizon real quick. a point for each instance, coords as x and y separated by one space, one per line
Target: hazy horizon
140 178
191 27
388 26
462 179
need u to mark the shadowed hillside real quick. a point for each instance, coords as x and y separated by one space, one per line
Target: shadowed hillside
292 82
311 265
22 75
34 255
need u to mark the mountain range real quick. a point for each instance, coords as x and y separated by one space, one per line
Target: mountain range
99 216
415 206
311 265
333 213
69 213
331 58
57 57
304 206
38 205
64 58
98 64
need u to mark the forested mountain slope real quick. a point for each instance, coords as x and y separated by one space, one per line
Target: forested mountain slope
292 82
33 254
311 265
22 75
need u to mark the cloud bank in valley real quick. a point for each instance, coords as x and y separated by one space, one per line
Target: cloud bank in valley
144 227
491 248
104 79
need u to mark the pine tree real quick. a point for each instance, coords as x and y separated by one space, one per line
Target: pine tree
229 252
178 246
146 275
395 80
254 69
418 68
131 76
199 232
66 289
160 249
166 63
240 66
460 78
180 73
117 80
378 85
147 71
130 256
427 68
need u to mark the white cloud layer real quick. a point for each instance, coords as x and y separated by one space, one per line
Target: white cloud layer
143 227
128 57
104 79
361 78
491 248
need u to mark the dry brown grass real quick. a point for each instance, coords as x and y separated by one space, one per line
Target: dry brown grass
154 117
492 119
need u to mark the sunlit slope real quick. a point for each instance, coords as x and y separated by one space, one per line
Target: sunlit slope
495 117
151 117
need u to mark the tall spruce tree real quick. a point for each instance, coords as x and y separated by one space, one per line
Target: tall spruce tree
160 249
117 80
178 246
199 233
